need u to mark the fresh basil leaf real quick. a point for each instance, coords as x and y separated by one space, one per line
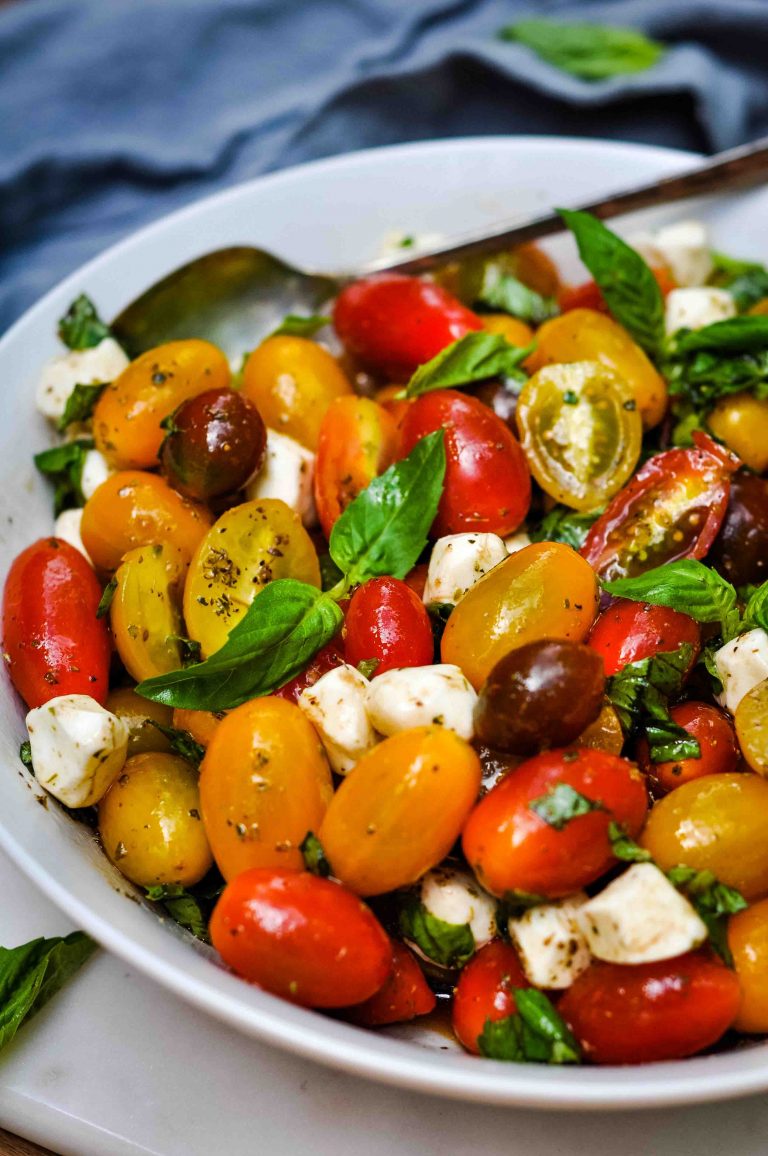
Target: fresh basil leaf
63 466
588 51
106 598
32 973
746 281
624 847
535 1033
561 804
640 694
504 292
449 944
81 327
629 287
25 753
315 858
182 907
385 528
330 575
190 650
698 379
564 525
686 585
182 742
475 357
756 610
282 629
294 326
736 335
80 404
714 902
668 742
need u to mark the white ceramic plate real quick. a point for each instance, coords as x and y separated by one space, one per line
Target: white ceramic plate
330 215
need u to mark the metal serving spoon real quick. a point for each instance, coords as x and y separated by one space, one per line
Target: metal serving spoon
234 296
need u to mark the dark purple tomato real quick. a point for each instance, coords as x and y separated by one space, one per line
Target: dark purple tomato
216 442
740 550
500 396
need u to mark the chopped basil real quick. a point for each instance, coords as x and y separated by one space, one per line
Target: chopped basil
561 804
449 944
504 292
624 847
588 51
714 901
640 693
686 585
475 357
534 1034
191 651
294 326
32 973
315 858
368 666
182 742
564 525
106 598
80 404
81 327
63 466
25 753
190 907
746 281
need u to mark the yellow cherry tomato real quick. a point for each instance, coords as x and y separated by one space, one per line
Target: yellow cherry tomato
264 783
126 420
249 546
717 823
741 421
400 810
752 727
748 941
581 432
201 724
146 610
292 381
150 824
586 335
138 714
546 590
133 508
516 332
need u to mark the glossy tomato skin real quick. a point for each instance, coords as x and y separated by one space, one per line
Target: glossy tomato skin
393 323
487 481
740 550
404 996
216 442
484 992
511 847
52 640
672 508
748 941
631 631
358 440
388 623
651 1011
306 939
331 656
716 739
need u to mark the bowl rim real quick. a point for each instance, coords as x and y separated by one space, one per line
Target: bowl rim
355 1050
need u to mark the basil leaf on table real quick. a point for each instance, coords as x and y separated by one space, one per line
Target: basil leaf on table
282 629
32 973
449 944
474 357
626 282
588 51
640 694
81 327
686 585
505 292
63 466
385 528
714 903
535 1033
562 803
564 525
80 404
294 326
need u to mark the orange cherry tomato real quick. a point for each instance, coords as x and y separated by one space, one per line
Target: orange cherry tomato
404 996
400 810
264 783
484 992
585 335
748 941
511 847
127 417
516 332
716 739
741 422
292 381
542 591
133 508
358 440
306 939
651 1011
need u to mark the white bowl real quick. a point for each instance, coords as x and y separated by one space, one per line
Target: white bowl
330 215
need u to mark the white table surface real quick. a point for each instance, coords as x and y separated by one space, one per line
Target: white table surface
115 1066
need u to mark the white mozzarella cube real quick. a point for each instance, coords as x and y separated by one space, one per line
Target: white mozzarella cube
683 247
741 664
550 943
640 918
695 308
335 706
458 561
78 748
103 363
517 541
96 469
419 696
67 527
288 473
456 897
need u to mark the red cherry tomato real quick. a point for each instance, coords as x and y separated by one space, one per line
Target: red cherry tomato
487 482
358 440
53 642
588 295
512 848
405 994
671 509
387 622
631 631
393 323
304 938
716 739
330 656
651 1011
484 992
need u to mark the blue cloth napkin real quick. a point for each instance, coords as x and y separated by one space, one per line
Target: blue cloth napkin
113 112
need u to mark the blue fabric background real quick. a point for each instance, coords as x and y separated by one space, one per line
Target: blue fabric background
113 112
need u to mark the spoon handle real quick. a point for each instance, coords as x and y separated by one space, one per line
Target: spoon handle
726 172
